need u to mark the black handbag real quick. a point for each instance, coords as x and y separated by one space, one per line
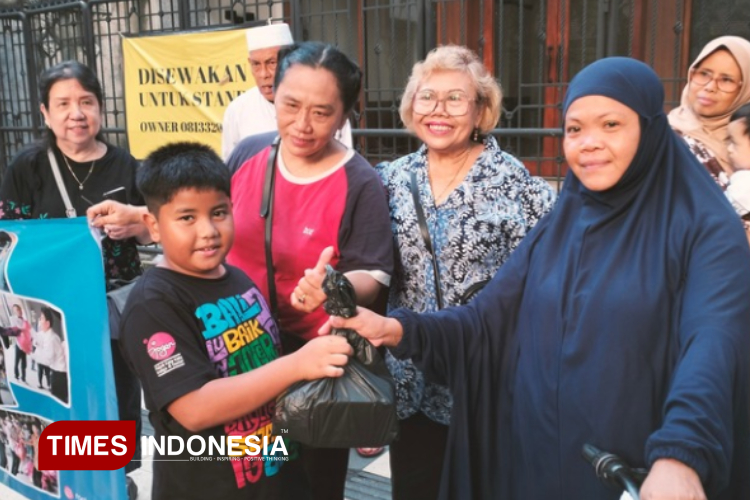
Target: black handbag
472 290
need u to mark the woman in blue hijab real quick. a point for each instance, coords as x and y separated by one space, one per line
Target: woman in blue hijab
622 320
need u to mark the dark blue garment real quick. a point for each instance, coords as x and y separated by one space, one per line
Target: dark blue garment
622 320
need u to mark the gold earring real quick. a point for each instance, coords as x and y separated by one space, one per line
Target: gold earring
475 137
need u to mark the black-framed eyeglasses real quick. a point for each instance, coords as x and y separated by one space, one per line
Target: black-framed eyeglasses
455 103
724 83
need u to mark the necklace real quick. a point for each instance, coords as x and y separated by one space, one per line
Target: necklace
80 182
439 197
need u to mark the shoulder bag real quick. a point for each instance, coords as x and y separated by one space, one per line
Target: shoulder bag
472 290
118 290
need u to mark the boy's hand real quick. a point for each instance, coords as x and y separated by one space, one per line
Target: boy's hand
379 330
308 294
323 357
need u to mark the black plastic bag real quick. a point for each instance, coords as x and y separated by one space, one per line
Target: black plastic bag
356 410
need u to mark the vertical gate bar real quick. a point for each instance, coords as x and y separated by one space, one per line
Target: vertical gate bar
31 72
652 43
183 14
488 34
612 30
563 54
640 28
87 28
544 79
296 18
684 58
361 56
679 30
421 31
512 114
601 19
429 28
462 35
631 30
584 30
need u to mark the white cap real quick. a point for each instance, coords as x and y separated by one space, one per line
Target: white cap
271 35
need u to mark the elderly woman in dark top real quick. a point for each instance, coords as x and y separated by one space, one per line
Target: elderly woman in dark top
91 170
479 202
71 104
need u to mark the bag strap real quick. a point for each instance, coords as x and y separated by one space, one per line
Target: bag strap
70 212
426 236
266 211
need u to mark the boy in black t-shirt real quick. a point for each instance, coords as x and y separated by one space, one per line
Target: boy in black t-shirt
201 339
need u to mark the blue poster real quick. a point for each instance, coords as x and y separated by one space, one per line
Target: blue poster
55 359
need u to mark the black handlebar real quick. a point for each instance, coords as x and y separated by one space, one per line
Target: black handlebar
613 470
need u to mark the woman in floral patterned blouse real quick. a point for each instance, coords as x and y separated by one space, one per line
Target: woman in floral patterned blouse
479 202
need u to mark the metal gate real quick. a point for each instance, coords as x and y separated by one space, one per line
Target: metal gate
532 46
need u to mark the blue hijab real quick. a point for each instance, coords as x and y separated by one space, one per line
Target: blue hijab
622 320
633 296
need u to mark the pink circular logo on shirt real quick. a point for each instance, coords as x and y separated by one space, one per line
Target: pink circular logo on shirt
161 346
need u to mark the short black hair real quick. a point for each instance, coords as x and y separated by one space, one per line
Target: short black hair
48 314
743 113
177 166
323 55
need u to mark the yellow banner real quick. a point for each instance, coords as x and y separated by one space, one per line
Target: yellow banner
177 87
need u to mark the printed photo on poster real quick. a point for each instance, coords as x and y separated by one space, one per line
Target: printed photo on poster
7 243
55 354
19 445
35 349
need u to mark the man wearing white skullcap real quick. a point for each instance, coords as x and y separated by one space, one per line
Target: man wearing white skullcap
253 112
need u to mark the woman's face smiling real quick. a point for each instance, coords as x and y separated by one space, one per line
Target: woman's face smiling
601 139
438 129
196 231
73 115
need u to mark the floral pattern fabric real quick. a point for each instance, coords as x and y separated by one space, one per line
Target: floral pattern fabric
121 258
473 233
709 161
29 191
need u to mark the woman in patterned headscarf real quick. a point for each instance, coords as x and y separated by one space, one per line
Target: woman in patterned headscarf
718 85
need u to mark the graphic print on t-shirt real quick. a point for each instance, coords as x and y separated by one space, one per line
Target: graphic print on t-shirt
240 336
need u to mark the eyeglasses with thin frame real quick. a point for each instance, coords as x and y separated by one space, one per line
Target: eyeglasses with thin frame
456 103
724 83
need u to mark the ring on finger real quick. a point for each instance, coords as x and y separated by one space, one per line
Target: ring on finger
301 298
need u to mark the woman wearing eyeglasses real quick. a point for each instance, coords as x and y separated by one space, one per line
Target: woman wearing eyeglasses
718 85
478 203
